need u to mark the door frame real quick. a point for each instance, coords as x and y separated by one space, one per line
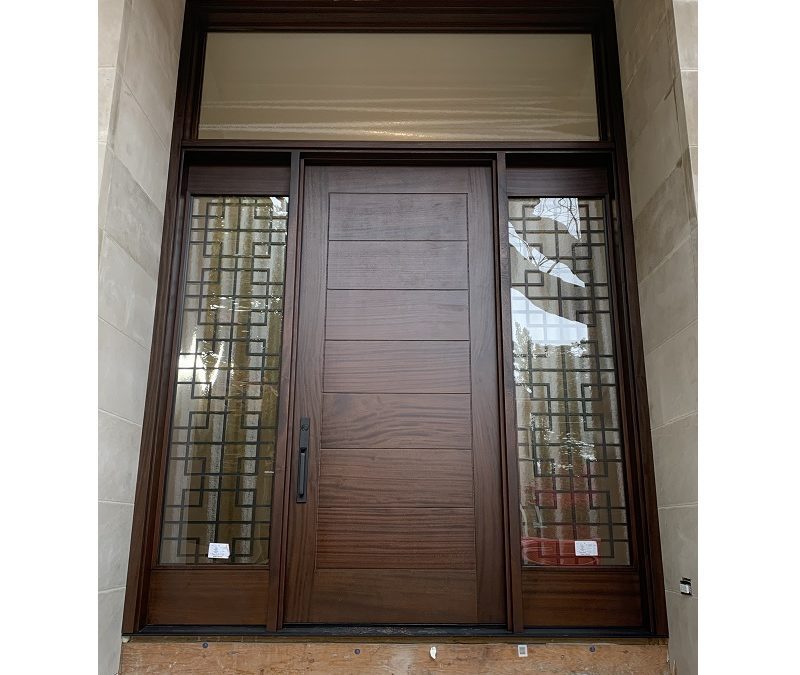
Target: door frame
188 152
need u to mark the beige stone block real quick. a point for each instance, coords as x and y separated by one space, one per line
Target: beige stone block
637 23
668 297
122 373
675 457
689 86
109 630
127 294
103 171
137 145
118 458
685 12
114 538
151 71
671 372
678 525
110 21
106 78
133 220
655 154
683 625
653 80
662 224
165 17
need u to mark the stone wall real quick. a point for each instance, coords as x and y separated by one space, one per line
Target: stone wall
658 63
138 61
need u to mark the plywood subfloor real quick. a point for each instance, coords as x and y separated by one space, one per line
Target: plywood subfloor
259 658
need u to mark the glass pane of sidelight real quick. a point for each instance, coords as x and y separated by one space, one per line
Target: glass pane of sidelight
568 429
224 419
402 86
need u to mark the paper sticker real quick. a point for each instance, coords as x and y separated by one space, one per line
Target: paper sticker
586 548
219 550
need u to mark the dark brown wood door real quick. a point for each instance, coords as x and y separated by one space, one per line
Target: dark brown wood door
397 375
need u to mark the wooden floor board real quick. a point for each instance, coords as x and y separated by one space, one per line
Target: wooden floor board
259 658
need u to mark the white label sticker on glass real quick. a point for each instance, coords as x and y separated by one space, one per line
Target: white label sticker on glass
219 550
585 548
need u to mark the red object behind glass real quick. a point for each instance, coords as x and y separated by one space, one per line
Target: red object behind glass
556 552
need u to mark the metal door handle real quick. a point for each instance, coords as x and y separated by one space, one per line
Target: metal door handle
302 460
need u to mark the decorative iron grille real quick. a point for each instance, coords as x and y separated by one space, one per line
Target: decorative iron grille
572 481
225 411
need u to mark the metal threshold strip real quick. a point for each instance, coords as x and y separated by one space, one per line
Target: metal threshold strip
394 632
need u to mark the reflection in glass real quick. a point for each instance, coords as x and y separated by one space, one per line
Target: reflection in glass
568 432
224 419
399 87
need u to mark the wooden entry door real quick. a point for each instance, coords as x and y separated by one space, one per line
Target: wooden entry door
396 497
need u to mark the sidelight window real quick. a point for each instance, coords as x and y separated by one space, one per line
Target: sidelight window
221 455
571 472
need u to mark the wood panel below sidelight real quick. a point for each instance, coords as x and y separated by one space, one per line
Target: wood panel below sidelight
214 595
581 598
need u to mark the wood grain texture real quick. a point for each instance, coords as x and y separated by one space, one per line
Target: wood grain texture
364 216
409 265
396 421
226 180
213 595
427 597
308 385
581 598
397 315
369 478
586 181
422 367
396 538
490 539
140 657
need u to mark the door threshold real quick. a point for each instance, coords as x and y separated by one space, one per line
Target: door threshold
349 633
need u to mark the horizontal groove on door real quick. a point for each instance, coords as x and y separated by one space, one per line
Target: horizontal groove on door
396 421
397 217
420 367
370 478
397 315
419 265
428 597
215 595
396 538
581 597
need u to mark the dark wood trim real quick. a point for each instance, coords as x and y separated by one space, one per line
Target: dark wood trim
593 16
587 181
281 490
508 405
224 180
417 147
164 326
646 506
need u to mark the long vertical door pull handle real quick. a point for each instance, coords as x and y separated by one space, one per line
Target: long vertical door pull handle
302 460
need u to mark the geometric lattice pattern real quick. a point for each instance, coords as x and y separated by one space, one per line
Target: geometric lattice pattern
224 418
572 475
